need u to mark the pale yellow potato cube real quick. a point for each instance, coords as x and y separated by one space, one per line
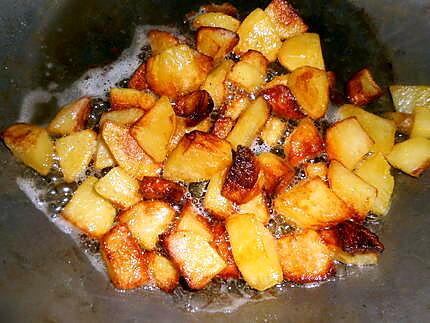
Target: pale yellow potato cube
103 157
121 98
257 206
246 76
190 220
216 19
160 40
214 83
162 271
234 108
125 117
215 42
421 123
216 204
273 131
407 97
316 170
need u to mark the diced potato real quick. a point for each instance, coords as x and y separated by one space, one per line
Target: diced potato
310 87
162 271
214 83
215 42
71 118
234 108
103 157
302 50
194 107
31 145
382 131
375 170
197 260
304 143
124 259
407 97
274 169
421 123
285 19
225 7
364 259
161 40
311 204
273 131
305 258
157 188
125 117
257 206
403 121
277 80
282 102
411 156
130 98
316 170
347 142
250 123
216 204
138 79
222 127
180 131
222 246
197 157
127 152
350 188
177 71
75 152
191 221
362 89
154 131
119 188
88 211
147 220
256 59
254 251
203 126
258 33
216 19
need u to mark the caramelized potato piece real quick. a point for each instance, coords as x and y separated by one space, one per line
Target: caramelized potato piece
138 79
316 170
407 97
234 108
274 169
305 258
215 42
403 121
310 87
194 107
197 157
282 102
157 188
311 204
161 40
347 142
31 145
191 221
120 98
304 143
177 71
216 204
124 259
421 124
127 152
75 153
222 127
119 188
258 33
125 117
258 207
216 19
356 238
254 251
88 211
273 131
302 50
222 246
214 83
162 271
103 157
362 89
71 118
197 260
147 220
285 19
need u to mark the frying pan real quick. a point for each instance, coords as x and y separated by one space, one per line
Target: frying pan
44 275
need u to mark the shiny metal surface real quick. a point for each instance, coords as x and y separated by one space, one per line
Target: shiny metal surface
44 277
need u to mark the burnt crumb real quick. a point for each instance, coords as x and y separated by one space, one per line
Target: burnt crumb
89 244
356 238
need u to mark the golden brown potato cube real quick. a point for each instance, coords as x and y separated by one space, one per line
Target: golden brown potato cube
274 169
258 207
304 257
249 124
215 42
119 188
31 145
311 204
71 118
225 7
180 131
197 157
362 89
75 152
222 246
214 83
285 19
277 80
147 220
316 170
191 221
138 79
222 127
127 152
282 102
161 40
273 131
197 260
103 157
194 107
248 76
304 143
351 189
216 204
347 142
421 123
157 188
382 131
120 98
411 156
124 259
125 117
258 33
254 251
234 108
88 211
301 50
162 271
403 121
375 170
407 97
310 87
155 129
216 19
177 71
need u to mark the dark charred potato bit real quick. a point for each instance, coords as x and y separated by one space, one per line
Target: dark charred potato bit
356 238
156 188
195 107
282 102
242 176
222 245
222 127
362 89
138 79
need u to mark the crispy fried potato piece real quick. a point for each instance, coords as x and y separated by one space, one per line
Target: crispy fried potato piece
191 221
147 220
203 126
162 271
305 258
311 205
177 71
127 152
31 145
282 102
215 42
222 127
125 117
403 121
71 118
88 211
161 40
225 7
222 246
180 131
234 108
316 170
421 123
216 204
274 169
362 89
407 97
103 157
124 259
157 188
138 79
214 83
120 98
194 107
216 19
258 207
273 131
